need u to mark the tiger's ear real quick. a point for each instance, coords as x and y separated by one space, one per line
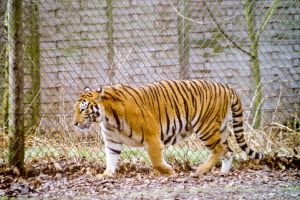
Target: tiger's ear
87 89
99 89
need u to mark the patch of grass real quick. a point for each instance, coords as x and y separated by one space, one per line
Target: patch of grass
186 154
183 154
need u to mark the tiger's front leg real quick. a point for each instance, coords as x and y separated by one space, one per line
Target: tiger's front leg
112 158
113 150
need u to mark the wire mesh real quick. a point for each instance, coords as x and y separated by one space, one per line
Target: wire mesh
72 44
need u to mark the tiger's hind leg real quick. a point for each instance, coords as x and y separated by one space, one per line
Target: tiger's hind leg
227 157
213 159
212 141
154 148
226 162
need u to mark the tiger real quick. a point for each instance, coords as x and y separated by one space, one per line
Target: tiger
163 113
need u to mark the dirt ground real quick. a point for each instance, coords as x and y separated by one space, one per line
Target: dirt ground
77 179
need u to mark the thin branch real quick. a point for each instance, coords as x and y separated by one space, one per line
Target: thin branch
197 22
266 19
224 33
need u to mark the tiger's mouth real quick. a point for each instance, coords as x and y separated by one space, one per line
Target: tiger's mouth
84 126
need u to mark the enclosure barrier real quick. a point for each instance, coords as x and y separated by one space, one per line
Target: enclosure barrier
52 49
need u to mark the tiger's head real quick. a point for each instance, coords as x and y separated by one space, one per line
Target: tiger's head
87 110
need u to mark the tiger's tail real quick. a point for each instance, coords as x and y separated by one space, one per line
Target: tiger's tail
237 116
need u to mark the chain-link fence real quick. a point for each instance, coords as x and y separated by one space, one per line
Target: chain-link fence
65 45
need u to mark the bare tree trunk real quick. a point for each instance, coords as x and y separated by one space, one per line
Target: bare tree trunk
33 52
110 34
184 41
16 85
3 66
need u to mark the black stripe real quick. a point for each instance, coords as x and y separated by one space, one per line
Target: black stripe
142 141
186 116
194 100
240 140
113 141
110 95
143 93
225 98
184 98
114 150
244 147
234 115
116 118
117 91
137 103
238 131
178 117
130 135
175 126
207 113
208 136
174 93
109 128
97 114
182 86
239 137
206 127
194 86
200 109
250 152
237 124
168 139
179 91
174 141
152 98
135 100
168 121
163 94
161 85
257 155
159 114
227 146
137 93
213 145
205 124
204 136
235 97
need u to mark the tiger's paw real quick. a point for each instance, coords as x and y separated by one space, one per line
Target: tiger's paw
220 173
196 174
106 174
165 170
200 171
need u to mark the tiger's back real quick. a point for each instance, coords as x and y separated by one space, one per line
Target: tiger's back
180 108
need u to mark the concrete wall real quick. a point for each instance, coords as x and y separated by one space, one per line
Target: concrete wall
74 50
